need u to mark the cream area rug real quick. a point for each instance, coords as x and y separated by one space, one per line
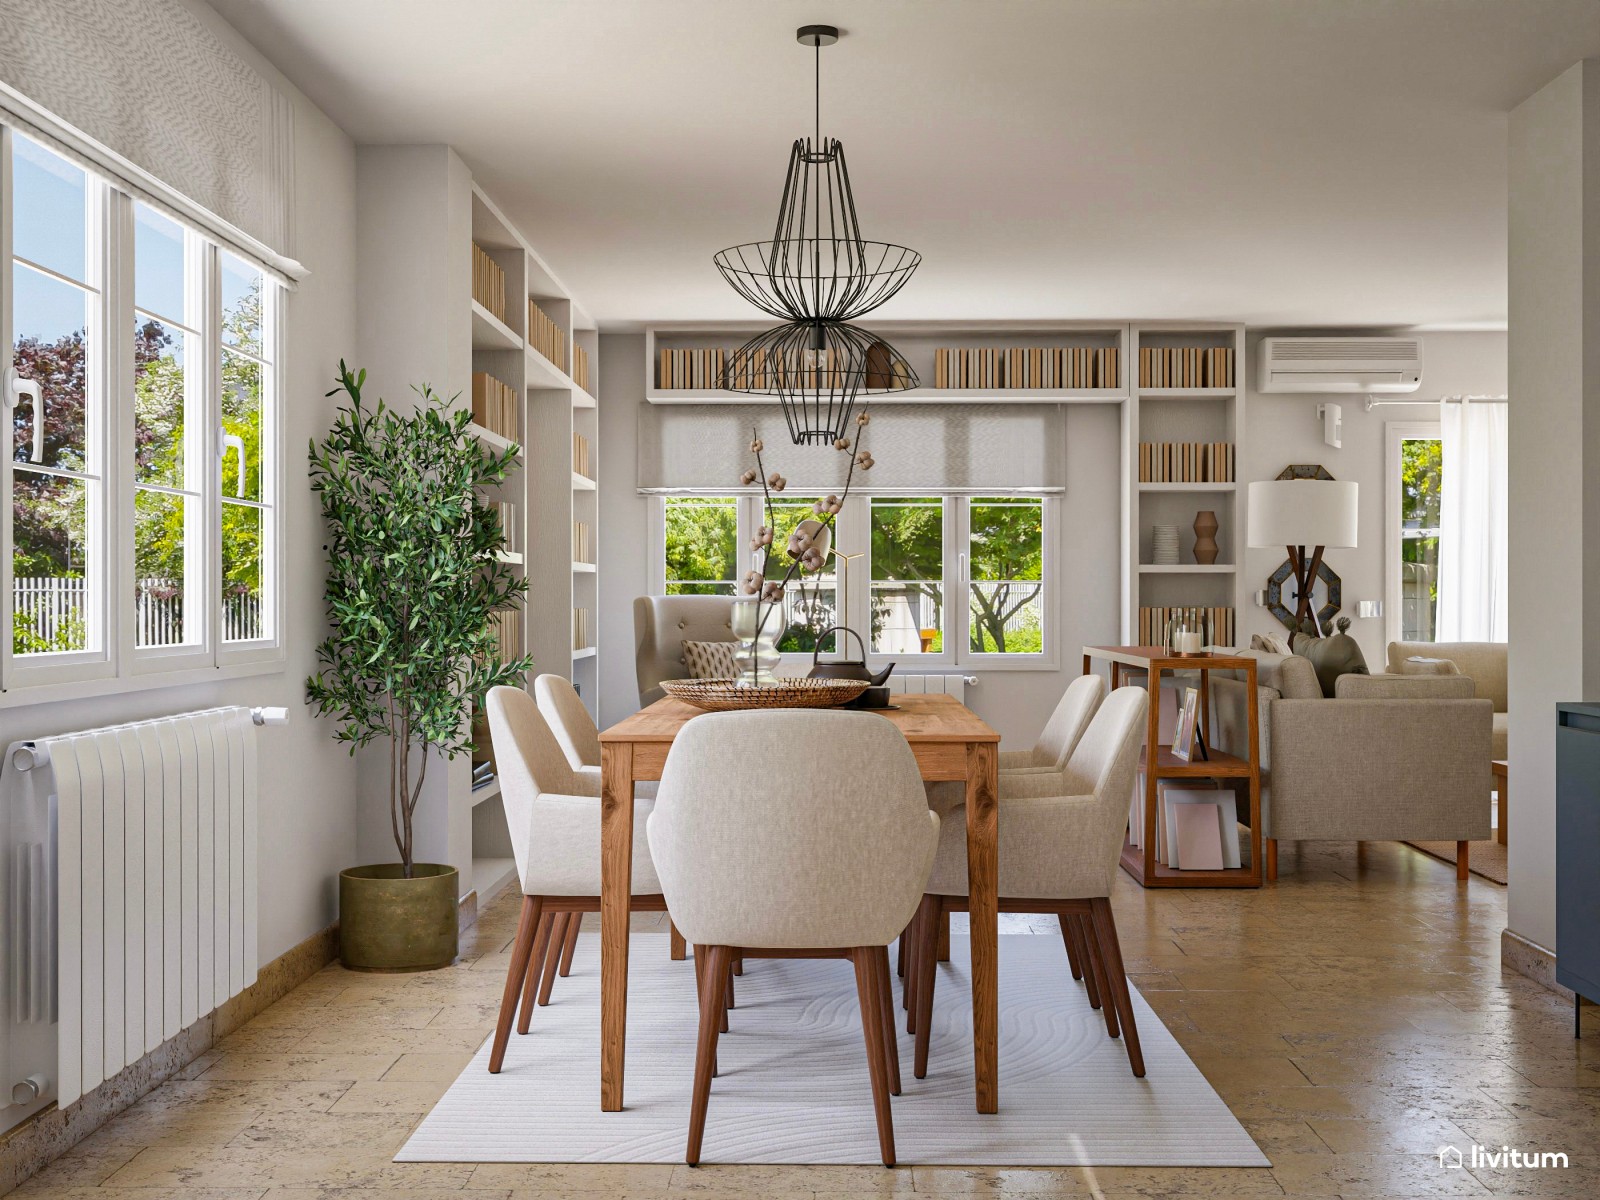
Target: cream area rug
793 1086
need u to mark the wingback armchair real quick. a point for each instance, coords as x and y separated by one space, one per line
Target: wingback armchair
661 625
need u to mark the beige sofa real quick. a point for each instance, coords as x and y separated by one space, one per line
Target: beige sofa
1389 758
1482 662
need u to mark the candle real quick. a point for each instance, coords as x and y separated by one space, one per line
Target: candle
1186 641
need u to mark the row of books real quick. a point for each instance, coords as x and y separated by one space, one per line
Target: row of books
582 463
494 405
506 625
1158 622
690 369
545 336
1186 462
582 542
580 367
1032 367
1197 824
488 282
582 638
1185 366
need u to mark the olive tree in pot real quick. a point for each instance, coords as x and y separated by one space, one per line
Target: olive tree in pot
414 581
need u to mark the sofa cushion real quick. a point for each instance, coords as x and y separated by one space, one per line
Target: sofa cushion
1429 666
1332 657
1269 642
1482 662
1403 687
1297 679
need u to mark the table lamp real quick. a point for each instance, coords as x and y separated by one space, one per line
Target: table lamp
1296 513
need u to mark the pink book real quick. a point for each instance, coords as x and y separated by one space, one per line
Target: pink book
1199 848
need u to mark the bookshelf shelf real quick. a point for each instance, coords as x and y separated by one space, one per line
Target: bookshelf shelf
544 373
584 568
1187 569
582 483
509 556
489 332
489 438
1189 487
1187 393
923 395
582 399
488 791
586 652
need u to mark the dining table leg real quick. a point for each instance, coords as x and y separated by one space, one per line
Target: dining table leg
983 898
616 884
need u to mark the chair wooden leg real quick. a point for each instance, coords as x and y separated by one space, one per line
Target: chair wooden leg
714 975
886 1019
530 985
738 969
570 947
872 1034
918 943
1073 965
1463 849
1094 952
900 955
521 950
680 949
552 955
927 974
944 936
702 963
1105 928
1271 845
1086 958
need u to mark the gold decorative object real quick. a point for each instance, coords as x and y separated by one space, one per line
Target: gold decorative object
725 695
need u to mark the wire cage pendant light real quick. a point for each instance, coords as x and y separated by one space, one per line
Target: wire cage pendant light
817 274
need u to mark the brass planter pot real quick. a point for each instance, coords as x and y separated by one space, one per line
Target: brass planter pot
390 923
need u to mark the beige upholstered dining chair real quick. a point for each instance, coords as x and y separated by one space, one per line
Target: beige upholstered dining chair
826 859
662 624
574 729
1061 837
1062 731
554 815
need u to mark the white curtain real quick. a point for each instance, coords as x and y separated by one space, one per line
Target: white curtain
1472 522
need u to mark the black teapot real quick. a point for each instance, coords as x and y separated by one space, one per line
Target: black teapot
846 668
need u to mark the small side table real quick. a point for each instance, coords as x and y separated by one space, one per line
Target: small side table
1160 763
1502 786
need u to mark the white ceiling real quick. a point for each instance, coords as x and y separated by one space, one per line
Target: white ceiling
1280 162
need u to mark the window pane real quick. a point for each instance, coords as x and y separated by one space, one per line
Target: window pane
908 576
241 418
241 305
51 321
1006 566
1421 465
50 599
159 402
158 266
701 546
160 524
811 601
243 617
49 220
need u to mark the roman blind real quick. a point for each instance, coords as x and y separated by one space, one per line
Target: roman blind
980 449
148 94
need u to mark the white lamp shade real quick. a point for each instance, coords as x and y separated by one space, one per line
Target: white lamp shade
1303 512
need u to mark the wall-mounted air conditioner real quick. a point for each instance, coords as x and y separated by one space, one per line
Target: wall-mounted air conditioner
1339 364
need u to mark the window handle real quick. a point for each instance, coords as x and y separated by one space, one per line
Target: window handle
19 388
232 441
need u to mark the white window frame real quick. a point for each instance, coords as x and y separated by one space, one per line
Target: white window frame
853 537
1396 433
118 665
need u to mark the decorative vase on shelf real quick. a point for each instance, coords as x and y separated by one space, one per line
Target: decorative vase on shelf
1205 537
756 624
1164 545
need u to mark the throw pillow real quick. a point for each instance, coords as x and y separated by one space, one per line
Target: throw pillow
1271 643
1332 656
710 660
1429 666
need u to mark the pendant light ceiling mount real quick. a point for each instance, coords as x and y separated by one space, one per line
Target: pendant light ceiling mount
816 275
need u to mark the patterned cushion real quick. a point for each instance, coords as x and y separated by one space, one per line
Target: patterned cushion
710 660
1429 666
1271 643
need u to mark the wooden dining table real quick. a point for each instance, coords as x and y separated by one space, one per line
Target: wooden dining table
951 743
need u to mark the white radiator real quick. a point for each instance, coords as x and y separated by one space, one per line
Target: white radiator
949 685
129 877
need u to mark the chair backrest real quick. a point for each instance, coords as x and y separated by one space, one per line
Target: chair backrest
792 829
661 625
529 762
1071 717
1107 755
569 720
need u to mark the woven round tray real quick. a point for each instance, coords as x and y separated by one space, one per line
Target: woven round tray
722 695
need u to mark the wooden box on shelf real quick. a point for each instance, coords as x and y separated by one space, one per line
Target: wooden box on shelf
1141 861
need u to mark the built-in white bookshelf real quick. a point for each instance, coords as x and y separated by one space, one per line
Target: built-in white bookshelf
420 205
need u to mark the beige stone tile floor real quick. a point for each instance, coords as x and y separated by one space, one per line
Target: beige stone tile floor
1354 1016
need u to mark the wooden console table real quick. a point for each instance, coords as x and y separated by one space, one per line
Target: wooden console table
1163 764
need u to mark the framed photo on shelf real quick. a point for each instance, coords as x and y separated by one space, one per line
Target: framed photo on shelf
1183 736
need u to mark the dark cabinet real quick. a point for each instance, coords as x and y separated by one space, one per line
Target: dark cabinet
1578 848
